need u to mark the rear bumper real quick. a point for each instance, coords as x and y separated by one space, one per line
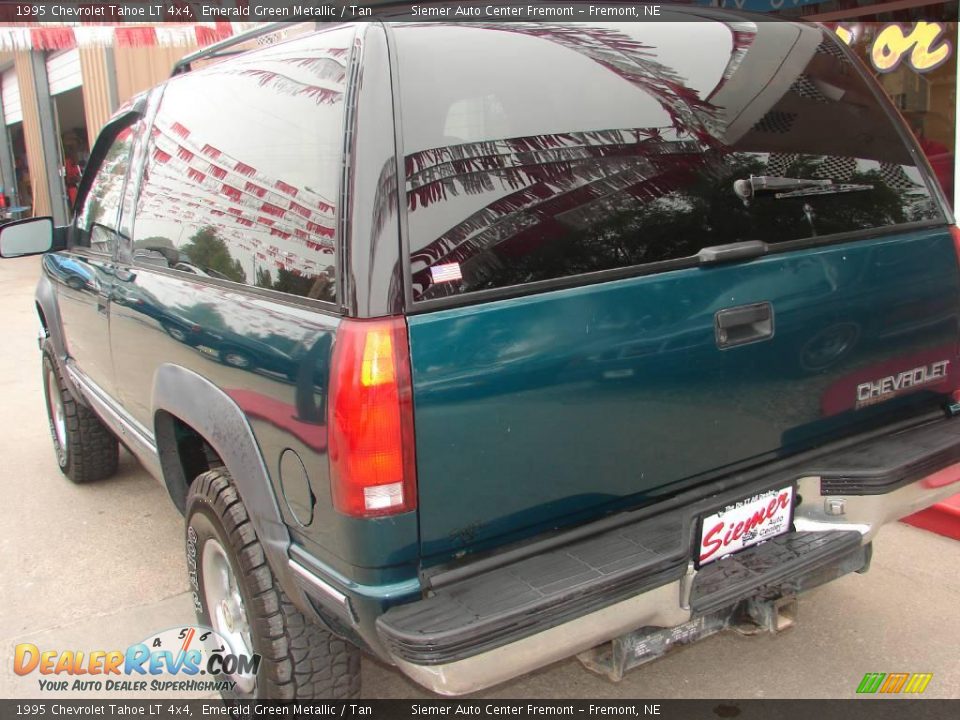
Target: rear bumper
489 628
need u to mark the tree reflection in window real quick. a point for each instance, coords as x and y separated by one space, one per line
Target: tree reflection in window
536 188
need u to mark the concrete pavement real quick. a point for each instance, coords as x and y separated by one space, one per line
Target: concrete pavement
101 566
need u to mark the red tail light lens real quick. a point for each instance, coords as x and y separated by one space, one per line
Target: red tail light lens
370 424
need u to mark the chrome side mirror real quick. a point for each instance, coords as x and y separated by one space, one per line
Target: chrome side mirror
33 236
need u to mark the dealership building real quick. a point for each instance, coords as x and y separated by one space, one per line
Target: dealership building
60 83
910 45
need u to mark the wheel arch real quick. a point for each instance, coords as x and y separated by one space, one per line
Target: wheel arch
48 311
45 299
182 398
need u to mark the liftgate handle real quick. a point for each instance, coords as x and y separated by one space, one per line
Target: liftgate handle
744 324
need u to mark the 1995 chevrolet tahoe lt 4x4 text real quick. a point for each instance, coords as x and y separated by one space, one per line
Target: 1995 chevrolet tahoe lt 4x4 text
478 346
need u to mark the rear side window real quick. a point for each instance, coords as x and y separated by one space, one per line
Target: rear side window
243 169
535 152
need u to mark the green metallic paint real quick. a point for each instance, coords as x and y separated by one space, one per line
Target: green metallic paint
281 388
547 410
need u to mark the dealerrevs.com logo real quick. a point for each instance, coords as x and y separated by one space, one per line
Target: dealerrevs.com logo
189 659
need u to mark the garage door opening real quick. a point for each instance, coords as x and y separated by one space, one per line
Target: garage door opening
72 132
18 196
66 89
16 189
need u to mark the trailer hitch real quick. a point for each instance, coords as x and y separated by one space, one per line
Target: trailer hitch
748 617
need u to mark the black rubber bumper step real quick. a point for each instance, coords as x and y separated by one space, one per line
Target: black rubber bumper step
787 564
879 467
537 593
489 602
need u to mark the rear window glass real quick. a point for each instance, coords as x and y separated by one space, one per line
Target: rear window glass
535 152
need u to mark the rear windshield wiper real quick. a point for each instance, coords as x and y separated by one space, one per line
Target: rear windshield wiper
784 187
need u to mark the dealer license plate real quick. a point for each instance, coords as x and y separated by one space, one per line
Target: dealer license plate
744 523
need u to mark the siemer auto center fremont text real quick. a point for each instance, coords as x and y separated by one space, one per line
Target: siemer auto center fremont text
530 709
594 11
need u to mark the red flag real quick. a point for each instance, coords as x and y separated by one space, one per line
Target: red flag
255 189
300 210
284 187
273 210
320 229
208 35
135 37
55 38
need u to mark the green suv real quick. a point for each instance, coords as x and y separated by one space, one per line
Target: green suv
478 346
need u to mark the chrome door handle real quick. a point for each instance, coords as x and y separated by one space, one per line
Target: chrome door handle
743 325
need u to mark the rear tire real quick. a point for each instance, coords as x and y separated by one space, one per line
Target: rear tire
235 592
237 359
86 450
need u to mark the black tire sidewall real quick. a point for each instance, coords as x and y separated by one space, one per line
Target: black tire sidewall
173 331
247 363
203 524
62 453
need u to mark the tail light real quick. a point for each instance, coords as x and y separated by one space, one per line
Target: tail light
370 424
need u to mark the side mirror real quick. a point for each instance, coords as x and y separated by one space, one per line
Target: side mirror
33 236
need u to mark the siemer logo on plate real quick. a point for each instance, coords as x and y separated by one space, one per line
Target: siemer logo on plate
745 523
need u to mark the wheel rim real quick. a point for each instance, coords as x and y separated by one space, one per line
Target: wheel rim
225 604
236 360
58 420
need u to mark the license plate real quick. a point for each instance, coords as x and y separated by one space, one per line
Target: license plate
744 523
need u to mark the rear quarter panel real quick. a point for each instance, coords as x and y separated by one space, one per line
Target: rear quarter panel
272 358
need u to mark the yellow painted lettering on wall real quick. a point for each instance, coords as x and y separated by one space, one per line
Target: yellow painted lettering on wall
922 47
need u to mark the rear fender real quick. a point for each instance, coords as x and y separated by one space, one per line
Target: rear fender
201 404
